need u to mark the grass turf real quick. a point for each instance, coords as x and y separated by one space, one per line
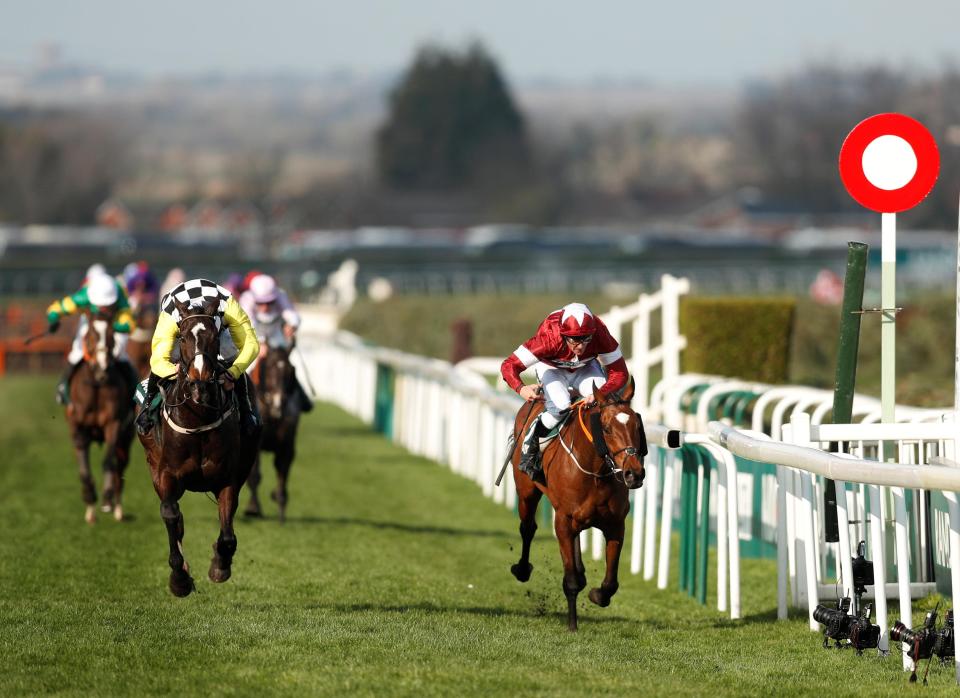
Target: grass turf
390 578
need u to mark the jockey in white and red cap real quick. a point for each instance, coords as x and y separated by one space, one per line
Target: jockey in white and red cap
572 349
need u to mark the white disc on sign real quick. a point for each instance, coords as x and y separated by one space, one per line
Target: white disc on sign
889 162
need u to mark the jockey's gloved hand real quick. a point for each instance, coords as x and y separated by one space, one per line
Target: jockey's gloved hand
53 326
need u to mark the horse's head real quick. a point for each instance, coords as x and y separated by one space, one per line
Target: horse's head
276 380
617 429
199 349
98 342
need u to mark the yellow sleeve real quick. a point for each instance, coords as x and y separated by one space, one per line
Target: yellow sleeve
243 335
161 347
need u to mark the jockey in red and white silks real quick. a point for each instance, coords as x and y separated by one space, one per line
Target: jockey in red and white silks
571 349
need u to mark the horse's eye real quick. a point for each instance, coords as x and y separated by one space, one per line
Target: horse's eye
607 430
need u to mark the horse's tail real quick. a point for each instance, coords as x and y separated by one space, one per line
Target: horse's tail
511 446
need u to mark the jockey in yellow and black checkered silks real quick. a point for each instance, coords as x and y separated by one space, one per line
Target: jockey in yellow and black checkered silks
239 346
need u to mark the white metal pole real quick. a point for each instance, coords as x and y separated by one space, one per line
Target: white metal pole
649 548
666 520
879 567
888 302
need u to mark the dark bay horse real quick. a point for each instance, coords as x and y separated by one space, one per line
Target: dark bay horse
100 410
197 444
589 469
138 348
279 403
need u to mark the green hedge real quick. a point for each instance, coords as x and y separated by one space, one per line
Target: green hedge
747 338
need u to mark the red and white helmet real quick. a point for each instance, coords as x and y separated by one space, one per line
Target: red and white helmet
577 320
263 288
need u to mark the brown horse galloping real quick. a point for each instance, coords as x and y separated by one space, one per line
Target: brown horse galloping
198 445
589 469
100 409
279 402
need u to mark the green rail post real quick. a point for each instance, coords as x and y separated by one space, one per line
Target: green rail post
846 376
704 533
383 400
688 518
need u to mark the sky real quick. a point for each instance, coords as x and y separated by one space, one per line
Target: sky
663 41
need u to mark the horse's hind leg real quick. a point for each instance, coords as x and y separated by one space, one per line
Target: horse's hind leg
181 583
527 506
123 460
601 595
282 462
226 544
253 482
573 579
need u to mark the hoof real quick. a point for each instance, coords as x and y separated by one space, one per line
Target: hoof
572 626
118 513
106 508
90 516
218 575
253 511
181 584
521 572
598 597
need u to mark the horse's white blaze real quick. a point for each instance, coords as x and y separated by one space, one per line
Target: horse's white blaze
198 362
623 418
101 328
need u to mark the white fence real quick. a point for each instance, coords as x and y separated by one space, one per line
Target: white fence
916 444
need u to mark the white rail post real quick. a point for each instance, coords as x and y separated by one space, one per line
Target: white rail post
649 549
666 521
636 534
639 365
903 566
879 567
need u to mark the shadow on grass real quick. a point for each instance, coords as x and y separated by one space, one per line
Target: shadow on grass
394 526
585 616
763 617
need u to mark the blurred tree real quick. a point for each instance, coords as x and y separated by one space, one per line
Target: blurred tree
452 125
56 169
790 132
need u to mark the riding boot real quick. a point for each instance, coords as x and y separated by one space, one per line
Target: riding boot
247 401
145 420
530 459
306 404
63 387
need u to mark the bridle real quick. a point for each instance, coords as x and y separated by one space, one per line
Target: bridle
182 383
595 435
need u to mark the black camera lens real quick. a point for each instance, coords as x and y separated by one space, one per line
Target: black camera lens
901 633
825 615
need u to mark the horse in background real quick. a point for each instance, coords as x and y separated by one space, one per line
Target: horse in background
197 445
280 410
100 409
589 472
139 346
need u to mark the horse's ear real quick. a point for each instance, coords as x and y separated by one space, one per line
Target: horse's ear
182 308
597 395
211 306
627 393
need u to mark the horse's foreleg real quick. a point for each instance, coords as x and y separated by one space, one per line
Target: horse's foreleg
110 477
527 506
253 482
573 581
181 583
601 595
88 490
226 544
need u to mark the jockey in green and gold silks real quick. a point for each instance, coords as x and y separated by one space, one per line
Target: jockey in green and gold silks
103 295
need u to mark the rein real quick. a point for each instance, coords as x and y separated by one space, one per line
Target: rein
595 436
181 387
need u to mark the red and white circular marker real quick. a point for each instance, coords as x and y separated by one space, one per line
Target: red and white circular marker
889 163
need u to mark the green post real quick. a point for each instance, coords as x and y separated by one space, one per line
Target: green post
688 518
383 401
846 376
704 532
